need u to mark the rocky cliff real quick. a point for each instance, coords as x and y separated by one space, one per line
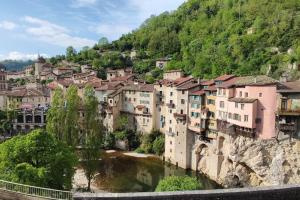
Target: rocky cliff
248 162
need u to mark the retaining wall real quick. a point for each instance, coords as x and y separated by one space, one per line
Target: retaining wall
259 193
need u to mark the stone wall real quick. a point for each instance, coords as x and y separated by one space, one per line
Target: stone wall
264 193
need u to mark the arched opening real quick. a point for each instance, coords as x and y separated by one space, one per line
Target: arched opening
27 128
20 119
201 151
28 118
37 119
19 128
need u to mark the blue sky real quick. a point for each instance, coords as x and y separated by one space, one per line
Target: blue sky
29 27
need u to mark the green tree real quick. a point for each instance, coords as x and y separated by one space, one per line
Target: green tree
103 41
71 127
37 159
56 115
178 183
70 53
159 145
93 132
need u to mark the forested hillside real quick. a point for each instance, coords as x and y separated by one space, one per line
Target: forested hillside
207 38
16 65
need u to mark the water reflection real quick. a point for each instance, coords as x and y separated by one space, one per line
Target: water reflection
120 173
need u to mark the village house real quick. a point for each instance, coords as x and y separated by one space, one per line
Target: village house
114 73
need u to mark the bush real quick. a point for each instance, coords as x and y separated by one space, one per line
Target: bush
148 142
159 145
109 141
139 150
120 135
178 183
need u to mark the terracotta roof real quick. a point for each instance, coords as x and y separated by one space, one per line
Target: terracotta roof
289 87
109 86
224 77
30 92
188 86
228 84
208 83
198 93
65 82
210 88
122 78
242 100
139 87
255 80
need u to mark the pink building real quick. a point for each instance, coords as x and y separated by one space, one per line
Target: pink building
247 106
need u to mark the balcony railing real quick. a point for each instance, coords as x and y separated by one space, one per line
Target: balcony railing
284 111
33 191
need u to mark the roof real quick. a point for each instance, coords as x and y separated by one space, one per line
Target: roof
210 88
65 82
198 93
255 80
242 100
289 87
139 87
228 83
123 78
109 86
28 92
208 83
140 107
224 77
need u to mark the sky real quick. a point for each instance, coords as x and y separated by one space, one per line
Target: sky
47 27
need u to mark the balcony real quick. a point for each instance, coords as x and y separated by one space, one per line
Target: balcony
171 105
288 127
180 116
288 112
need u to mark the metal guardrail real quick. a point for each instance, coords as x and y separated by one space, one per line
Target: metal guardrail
28 190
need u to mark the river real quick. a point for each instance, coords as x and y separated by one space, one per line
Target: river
121 173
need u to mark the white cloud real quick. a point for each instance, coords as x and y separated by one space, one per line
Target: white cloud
83 3
15 55
54 34
7 25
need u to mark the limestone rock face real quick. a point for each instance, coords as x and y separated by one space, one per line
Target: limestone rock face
249 162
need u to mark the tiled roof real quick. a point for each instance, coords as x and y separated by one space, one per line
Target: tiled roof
139 87
198 93
30 92
208 83
211 88
287 87
65 82
188 86
242 100
255 80
122 78
109 86
224 77
229 83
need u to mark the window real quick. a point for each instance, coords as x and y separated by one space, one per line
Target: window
260 94
258 120
181 111
210 102
241 93
125 98
246 94
170 111
183 91
242 106
236 117
195 105
144 102
182 101
230 115
224 92
171 93
219 91
134 99
236 105
222 104
246 118
170 121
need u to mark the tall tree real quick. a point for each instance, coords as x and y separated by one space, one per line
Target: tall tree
72 105
70 53
103 41
92 129
56 115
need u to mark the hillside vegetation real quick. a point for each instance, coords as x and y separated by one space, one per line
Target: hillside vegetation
207 38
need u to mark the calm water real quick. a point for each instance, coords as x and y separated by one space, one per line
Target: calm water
120 173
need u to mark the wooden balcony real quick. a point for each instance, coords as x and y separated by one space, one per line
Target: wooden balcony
288 112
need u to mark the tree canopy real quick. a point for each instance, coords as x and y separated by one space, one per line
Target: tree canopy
37 159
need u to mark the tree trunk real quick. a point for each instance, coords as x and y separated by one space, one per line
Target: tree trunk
89 183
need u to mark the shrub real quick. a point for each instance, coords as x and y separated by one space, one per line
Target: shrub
109 141
139 150
159 145
178 183
120 135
